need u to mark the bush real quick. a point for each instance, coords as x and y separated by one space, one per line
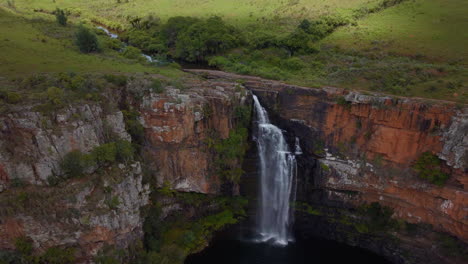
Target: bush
56 255
342 101
297 42
74 164
378 218
113 44
124 150
157 86
132 53
24 245
55 96
134 127
113 202
428 167
61 17
118 80
262 40
293 64
11 97
105 153
86 40
230 153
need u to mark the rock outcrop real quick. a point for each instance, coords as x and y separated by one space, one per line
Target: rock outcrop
178 127
359 148
104 207
32 144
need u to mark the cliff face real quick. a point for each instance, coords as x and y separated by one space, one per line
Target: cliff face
360 148
370 144
178 127
104 207
77 213
32 144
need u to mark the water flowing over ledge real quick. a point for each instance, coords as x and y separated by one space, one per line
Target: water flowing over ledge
277 170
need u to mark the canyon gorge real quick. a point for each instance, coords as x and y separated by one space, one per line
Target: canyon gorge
356 177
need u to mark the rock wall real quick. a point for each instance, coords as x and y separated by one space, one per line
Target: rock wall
77 213
178 127
32 144
105 207
359 148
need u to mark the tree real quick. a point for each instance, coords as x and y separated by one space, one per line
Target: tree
206 38
61 17
86 40
305 25
174 26
297 42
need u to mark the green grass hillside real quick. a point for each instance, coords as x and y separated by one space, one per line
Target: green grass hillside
240 12
399 47
435 29
38 45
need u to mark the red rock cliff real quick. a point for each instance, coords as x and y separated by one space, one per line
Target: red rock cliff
370 143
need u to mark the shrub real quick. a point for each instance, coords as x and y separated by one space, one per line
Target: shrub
262 40
428 167
11 97
61 17
378 218
124 150
55 96
73 164
230 153
134 127
132 53
342 101
118 80
297 42
293 64
157 86
56 255
17 183
113 202
305 25
86 40
105 153
24 245
113 44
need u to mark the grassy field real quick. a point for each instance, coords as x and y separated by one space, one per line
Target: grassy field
415 48
41 46
434 29
239 12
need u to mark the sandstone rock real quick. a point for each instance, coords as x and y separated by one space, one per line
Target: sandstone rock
32 145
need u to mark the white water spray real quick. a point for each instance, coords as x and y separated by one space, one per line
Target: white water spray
277 178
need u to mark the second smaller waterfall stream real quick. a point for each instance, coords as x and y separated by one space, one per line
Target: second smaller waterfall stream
277 180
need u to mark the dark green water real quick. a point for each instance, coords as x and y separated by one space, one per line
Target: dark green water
230 248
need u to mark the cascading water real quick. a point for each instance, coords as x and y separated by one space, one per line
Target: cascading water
277 178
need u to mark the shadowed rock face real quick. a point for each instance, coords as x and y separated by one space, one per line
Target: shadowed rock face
104 208
370 142
177 127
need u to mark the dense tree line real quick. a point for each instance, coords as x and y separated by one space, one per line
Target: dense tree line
195 39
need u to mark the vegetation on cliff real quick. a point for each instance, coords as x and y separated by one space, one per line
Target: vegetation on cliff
428 167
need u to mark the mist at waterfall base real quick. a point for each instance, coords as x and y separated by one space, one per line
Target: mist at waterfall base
270 240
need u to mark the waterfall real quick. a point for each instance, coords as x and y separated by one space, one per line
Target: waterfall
277 176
